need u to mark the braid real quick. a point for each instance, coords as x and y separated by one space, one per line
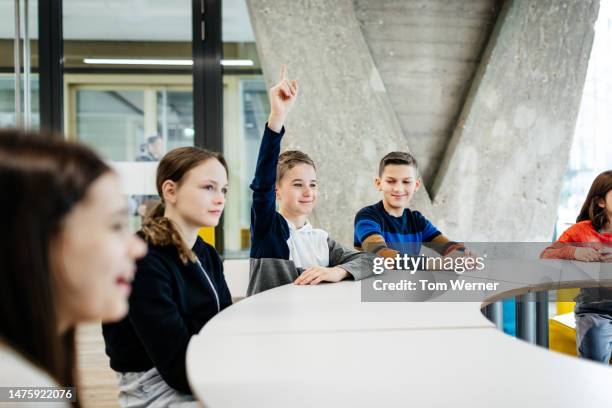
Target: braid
159 230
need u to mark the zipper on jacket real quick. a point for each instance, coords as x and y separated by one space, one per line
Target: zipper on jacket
211 285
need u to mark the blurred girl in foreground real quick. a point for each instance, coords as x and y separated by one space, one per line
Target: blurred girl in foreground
66 255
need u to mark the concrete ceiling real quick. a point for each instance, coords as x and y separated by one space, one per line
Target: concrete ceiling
132 20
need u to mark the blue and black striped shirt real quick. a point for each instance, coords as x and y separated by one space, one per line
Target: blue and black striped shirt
404 234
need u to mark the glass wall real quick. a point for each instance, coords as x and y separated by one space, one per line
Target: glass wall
112 121
116 104
118 119
245 110
591 151
7 64
175 117
7 101
132 111
122 98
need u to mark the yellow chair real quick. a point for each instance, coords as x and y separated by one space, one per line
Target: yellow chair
208 235
562 334
562 327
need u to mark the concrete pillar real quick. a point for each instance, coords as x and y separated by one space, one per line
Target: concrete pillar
427 53
500 176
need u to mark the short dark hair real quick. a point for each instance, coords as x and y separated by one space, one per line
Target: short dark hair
289 159
404 158
152 139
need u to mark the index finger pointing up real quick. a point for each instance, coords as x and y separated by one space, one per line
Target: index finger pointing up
283 72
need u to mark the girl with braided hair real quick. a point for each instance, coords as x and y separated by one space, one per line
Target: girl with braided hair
179 284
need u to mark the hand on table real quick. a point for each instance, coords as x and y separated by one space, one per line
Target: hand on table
586 254
317 274
606 254
466 253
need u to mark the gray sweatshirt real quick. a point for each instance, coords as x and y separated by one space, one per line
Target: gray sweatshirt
268 273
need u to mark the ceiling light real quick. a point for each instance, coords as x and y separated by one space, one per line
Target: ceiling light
237 62
121 61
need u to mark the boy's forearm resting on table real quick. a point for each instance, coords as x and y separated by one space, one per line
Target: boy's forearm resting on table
444 246
357 264
317 274
376 244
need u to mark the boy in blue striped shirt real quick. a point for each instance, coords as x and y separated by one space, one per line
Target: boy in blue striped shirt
389 227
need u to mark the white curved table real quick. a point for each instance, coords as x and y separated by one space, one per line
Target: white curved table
320 346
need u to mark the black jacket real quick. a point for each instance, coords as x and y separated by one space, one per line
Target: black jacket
269 229
169 303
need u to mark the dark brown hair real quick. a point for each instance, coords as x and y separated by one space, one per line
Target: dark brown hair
401 158
590 209
289 159
41 179
157 229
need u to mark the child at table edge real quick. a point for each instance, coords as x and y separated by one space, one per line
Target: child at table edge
590 240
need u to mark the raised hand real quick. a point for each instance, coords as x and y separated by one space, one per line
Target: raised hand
282 97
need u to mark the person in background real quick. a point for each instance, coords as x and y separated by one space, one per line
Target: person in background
179 285
590 240
152 150
66 255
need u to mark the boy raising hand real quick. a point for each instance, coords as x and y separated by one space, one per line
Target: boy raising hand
285 247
